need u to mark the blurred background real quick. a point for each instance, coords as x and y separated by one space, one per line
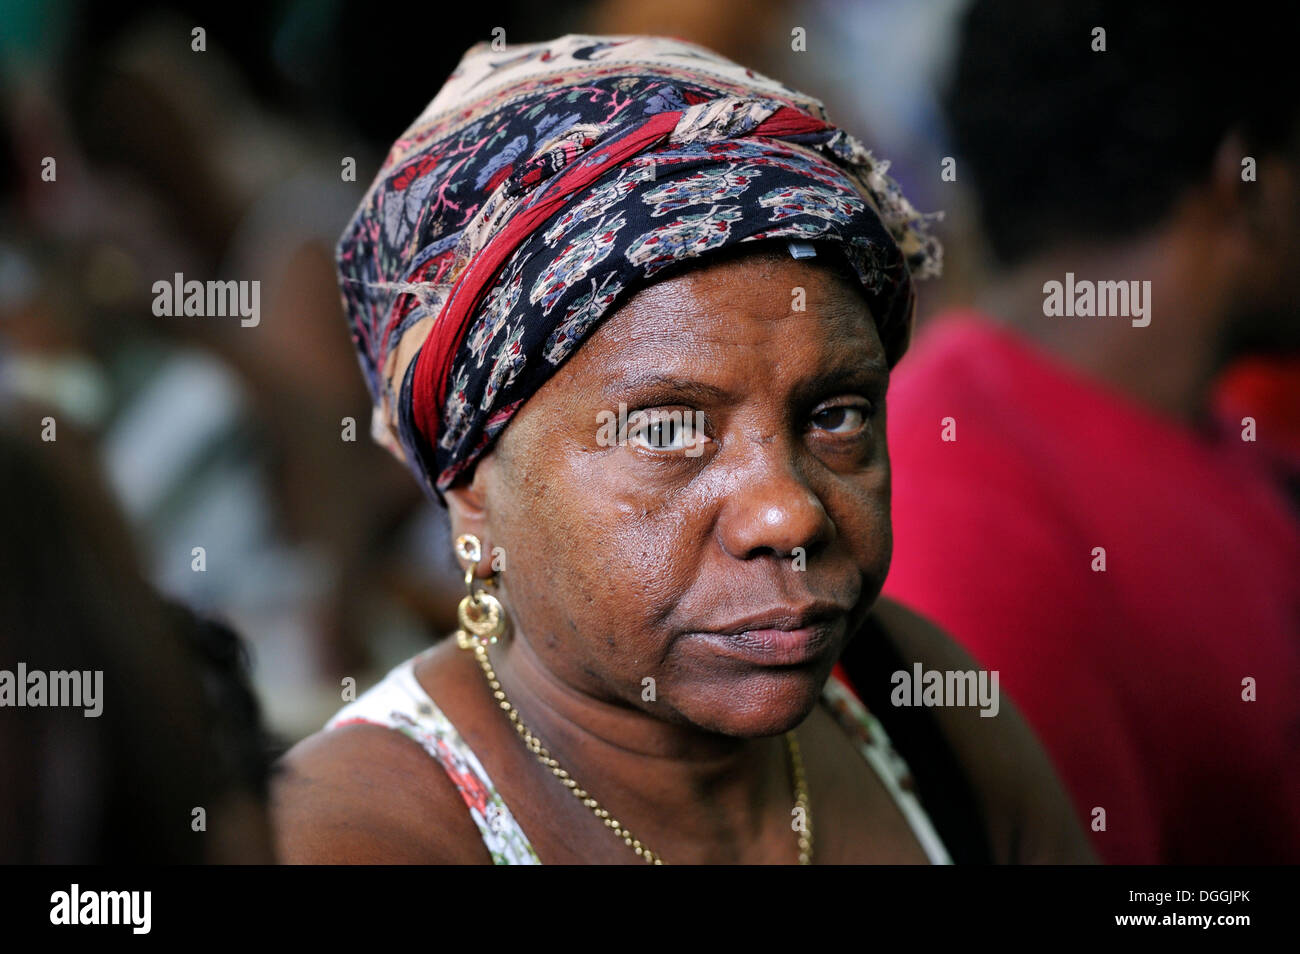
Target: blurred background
228 163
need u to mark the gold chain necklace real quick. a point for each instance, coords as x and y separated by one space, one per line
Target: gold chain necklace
534 744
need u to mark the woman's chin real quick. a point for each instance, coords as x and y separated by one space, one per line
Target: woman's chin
760 703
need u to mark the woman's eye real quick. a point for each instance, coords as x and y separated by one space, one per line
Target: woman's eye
669 431
846 419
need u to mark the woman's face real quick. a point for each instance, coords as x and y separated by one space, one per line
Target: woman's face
730 567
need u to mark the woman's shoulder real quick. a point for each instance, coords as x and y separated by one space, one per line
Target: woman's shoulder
361 791
1026 813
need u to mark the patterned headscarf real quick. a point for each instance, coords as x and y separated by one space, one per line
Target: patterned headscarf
546 183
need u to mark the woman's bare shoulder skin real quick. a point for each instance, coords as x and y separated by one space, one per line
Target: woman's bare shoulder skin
366 794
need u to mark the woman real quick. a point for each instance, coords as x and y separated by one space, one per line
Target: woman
682 290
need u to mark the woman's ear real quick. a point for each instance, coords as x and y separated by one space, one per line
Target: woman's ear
467 505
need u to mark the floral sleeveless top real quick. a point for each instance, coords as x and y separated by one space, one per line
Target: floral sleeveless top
399 702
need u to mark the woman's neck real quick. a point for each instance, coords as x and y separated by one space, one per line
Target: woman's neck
1166 364
716 789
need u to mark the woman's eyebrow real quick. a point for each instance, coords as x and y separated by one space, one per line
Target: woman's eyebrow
870 374
667 384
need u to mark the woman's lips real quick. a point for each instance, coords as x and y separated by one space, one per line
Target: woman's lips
776 647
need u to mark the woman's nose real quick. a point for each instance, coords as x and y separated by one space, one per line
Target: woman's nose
771 508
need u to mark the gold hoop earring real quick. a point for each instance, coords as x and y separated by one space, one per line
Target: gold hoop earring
481 615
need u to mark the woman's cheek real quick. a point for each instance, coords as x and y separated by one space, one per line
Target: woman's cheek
863 519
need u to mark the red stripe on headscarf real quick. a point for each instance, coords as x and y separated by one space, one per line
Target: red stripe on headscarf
433 365
788 121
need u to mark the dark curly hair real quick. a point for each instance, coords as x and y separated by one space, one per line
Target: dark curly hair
1060 141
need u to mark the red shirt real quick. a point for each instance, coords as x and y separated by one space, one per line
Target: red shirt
1132 677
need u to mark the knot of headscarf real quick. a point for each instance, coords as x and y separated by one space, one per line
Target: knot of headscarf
547 183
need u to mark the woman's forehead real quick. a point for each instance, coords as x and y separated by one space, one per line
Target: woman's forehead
732 318
762 288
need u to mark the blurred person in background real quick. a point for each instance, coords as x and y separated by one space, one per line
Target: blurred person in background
1066 503
170 764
